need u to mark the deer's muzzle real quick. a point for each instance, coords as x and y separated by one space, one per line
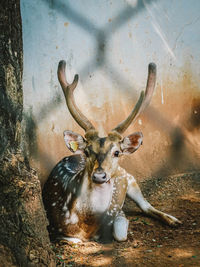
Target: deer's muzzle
99 176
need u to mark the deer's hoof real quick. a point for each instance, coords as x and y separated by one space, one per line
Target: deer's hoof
172 221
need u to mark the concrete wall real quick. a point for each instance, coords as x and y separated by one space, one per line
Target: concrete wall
109 44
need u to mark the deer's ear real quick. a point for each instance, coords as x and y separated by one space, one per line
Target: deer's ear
131 143
75 142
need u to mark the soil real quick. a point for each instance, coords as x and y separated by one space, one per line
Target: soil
150 243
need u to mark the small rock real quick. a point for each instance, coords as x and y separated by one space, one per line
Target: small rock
149 250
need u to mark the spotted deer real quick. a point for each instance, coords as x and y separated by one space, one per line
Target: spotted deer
85 192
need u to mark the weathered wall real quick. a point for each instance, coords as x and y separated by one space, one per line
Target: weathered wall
109 44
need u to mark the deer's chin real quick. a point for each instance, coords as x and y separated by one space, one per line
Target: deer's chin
98 182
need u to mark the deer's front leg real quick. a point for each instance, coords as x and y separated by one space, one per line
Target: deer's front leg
134 192
120 227
115 217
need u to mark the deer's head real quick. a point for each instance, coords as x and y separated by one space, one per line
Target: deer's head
103 153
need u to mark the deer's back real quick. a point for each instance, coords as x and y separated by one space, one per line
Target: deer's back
61 188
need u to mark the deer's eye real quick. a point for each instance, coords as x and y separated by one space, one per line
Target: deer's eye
116 153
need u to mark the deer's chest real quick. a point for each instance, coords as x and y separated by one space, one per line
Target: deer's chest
96 200
92 207
89 209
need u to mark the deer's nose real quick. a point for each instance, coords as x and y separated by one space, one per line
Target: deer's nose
99 176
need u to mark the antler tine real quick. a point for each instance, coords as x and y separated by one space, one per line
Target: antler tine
151 82
143 100
69 97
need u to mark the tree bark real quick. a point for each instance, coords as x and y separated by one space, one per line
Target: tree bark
24 239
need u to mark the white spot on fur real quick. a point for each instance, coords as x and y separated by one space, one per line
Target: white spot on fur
74 177
56 184
55 193
53 204
74 190
69 198
129 180
68 168
67 214
65 208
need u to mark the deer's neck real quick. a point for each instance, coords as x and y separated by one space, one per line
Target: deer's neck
95 197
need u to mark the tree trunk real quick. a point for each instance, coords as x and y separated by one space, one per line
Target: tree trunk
24 240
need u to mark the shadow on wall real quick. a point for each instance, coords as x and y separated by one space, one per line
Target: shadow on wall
181 139
184 153
101 36
30 140
181 154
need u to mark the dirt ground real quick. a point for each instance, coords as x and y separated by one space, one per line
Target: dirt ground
150 243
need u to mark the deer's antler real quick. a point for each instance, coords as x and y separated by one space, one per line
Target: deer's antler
143 101
68 90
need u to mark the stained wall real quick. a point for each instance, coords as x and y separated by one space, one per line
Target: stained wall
109 44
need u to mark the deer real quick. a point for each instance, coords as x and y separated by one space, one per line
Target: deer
85 192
